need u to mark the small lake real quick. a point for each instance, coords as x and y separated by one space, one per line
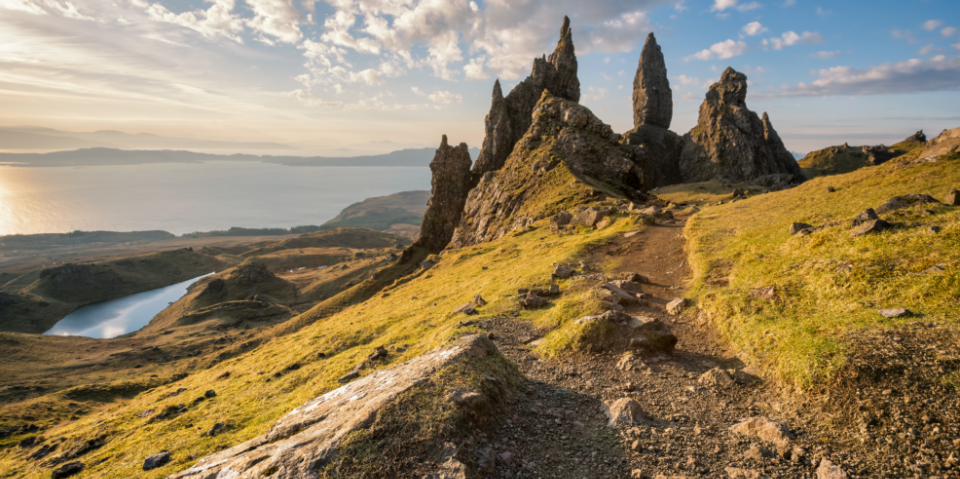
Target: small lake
110 319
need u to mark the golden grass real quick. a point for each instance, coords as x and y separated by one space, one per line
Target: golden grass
828 284
417 313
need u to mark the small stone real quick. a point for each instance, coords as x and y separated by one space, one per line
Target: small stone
467 308
624 411
933 229
67 470
676 306
953 198
894 312
635 278
797 227
738 473
215 429
830 189
157 460
871 226
479 301
829 470
766 430
210 394
717 378
867 215
507 457
768 293
349 377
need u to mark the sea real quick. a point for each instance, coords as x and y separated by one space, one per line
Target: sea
185 198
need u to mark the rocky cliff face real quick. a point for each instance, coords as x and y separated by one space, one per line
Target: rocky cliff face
947 143
567 156
658 148
509 117
450 186
731 142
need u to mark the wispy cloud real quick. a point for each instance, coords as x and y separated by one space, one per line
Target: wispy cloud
721 5
827 54
931 25
939 73
753 28
722 50
792 38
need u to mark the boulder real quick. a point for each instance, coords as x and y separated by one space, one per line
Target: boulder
313 433
831 189
653 335
533 301
829 470
953 198
588 217
868 215
479 301
895 312
871 226
559 220
731 142
623 412
676 306
510 117
155 461
635 278
765 429
628 286
892 204
67 470
624 297
798 227
467 308
563 272
450 187
716 378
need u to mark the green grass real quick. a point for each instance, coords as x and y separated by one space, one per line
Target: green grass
414 311
829 285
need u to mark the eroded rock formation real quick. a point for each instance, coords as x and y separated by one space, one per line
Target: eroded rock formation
652 97
450 186
567 154
732 143
509 117
658 148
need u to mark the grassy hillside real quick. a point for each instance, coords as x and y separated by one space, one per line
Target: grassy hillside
829 286
384 212
395 307
835 160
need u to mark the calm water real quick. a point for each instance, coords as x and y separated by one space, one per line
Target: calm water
183 198
110 319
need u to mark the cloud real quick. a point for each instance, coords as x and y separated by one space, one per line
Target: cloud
721 51
474 69
949 31
721 5
27 6
928 50
753 28
931 25
788 3
685 80
792 38
939 73
216 21
36 7
416 91
277 18
827 55
445 97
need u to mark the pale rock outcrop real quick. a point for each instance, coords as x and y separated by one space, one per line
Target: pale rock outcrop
311 434
450 186
510 116
948 142
658 148
732 143
567 154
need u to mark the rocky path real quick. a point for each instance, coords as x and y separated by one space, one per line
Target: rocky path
559 429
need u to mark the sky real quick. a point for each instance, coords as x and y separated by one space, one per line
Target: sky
341 76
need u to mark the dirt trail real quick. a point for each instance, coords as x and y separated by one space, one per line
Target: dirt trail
559 430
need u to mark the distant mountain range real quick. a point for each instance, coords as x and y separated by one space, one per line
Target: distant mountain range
111 156
38 138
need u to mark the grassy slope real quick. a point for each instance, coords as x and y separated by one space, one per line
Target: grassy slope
835 160
415 312
740 246
381 213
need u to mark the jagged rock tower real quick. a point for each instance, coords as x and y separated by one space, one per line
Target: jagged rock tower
510 117
658 147
450 186
732 143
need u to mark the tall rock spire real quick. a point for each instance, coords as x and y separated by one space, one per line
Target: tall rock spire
652 97
510 117
450 186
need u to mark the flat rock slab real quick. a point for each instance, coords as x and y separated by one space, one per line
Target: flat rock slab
297 444
894 312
